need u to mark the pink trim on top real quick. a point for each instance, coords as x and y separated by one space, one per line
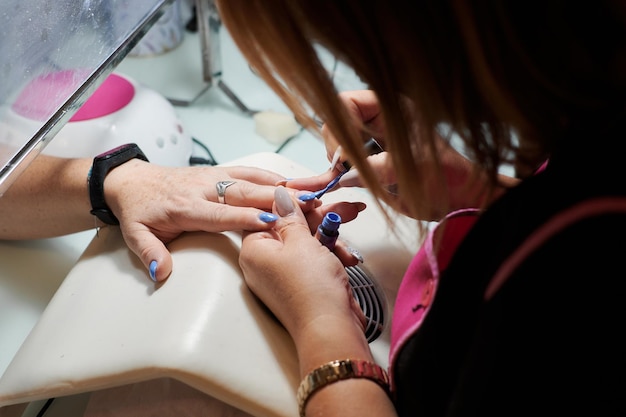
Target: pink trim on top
542 167
113 95
420 281
45 94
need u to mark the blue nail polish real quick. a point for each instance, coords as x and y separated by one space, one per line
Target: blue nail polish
153 268
307 197
268 217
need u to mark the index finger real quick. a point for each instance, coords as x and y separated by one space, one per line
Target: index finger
313 183
254 175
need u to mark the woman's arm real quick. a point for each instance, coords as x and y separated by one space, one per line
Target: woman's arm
50 198
154 204
307 288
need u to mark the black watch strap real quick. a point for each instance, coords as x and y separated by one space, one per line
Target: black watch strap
102 165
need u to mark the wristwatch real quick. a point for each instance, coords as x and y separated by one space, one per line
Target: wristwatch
102 165
337 371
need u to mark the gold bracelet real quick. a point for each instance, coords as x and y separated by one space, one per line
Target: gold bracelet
336 371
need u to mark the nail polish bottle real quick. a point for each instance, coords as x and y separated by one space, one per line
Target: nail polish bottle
328 230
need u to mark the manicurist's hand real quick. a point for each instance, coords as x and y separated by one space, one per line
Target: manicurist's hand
297 277
465 184
306 287
365 110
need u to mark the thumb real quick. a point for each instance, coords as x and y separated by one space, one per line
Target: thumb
289 212
288 225
153 254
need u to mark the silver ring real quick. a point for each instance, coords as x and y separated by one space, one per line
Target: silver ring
221 187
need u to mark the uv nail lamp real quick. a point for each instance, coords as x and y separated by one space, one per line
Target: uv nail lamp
120 111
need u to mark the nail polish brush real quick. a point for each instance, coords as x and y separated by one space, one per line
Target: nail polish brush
320 193
371 148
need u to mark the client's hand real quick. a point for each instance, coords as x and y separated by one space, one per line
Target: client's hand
155 204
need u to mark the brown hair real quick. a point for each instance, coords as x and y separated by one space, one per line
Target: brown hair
487 69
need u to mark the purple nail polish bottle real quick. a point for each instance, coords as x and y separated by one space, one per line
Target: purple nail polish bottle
328 232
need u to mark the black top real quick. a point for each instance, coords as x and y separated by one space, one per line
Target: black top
550 342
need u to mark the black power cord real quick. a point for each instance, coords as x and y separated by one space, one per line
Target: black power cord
197 160
45 407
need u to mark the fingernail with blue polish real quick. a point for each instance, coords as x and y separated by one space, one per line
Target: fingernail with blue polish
306 197
153 268
268 217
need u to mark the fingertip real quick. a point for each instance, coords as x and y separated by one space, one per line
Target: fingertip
160 271
284 204
306 196
266 217
350 179
348 255
335 159
356 254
